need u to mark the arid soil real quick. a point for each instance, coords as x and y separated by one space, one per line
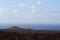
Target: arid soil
29 35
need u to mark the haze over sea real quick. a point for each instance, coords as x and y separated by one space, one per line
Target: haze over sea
33 26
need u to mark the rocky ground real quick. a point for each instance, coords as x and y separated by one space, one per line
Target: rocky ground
29 35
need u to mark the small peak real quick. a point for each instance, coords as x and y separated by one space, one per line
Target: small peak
17 28
13 28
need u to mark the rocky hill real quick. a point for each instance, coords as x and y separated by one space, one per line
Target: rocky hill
18 28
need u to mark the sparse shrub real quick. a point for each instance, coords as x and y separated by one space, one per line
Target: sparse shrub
29 36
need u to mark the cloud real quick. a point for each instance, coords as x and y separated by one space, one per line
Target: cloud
38 2
2 11
46 10
33 9
22 5
14 10
49 0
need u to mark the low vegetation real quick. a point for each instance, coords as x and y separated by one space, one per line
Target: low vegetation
29 35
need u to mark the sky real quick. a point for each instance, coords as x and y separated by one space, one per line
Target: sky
30 11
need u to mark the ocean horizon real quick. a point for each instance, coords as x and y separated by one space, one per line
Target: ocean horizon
33 26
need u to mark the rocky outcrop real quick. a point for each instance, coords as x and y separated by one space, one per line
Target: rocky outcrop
18 28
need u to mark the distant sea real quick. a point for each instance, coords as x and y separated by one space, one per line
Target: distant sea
32 26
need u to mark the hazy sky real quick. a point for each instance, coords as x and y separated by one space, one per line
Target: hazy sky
30 11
